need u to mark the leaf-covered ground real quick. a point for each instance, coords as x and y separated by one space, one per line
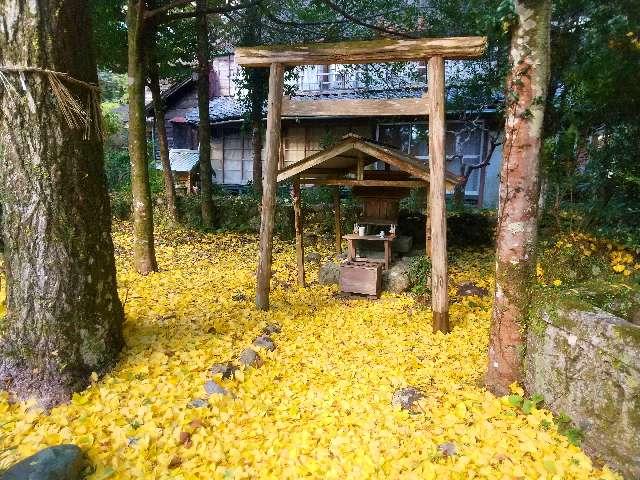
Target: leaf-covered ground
319 407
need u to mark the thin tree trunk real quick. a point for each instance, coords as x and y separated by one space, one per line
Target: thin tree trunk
64 317
459 194
143 249
256 82
517 217
163 144
204 128
161 127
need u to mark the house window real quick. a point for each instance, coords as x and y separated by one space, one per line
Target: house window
464 145
180 136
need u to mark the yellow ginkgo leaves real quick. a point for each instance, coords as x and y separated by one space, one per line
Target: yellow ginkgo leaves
319 407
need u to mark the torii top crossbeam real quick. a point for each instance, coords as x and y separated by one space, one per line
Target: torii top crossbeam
370 51
435 50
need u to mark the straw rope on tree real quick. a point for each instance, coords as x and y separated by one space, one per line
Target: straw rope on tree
75 114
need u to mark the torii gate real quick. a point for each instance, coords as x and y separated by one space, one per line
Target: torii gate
435 50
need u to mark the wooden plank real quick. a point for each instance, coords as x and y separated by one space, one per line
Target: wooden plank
437 206
348 182
274 111
360 166
370 51
366 107
413 167
297 222
313 160
337 219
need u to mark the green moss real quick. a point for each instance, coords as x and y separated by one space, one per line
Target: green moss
630 333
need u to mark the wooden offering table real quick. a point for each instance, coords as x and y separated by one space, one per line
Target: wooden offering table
387 239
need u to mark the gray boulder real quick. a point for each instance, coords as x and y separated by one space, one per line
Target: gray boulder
329 273
264 341
397 278
249 358
213 388
61 462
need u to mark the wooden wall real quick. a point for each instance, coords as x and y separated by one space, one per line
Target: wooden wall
231 156
304 138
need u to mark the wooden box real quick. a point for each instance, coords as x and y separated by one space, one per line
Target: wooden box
361 277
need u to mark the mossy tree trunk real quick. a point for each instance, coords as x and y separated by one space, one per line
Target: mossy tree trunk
204 126
163 144
517 216
64 318
256 81
143 248
160 123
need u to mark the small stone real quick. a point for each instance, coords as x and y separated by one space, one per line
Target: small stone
469 289
60 462
406 398
198 403
185 439
264 341
212 388
227 370
239 297
271 328
249 358
447 449
313 257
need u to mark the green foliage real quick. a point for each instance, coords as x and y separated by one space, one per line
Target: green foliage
592 135
113 87
568 429
121 204
420 275
118 170
111 123
471 227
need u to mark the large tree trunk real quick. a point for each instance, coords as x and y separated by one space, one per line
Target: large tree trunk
163 144
517 215
64 318
204 128
143 249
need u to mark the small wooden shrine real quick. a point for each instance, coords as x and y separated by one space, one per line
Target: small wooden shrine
435 51
379 175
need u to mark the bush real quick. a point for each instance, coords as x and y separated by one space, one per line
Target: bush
121 205
117 168
420 275
471 228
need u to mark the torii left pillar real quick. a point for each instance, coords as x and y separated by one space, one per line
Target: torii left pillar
269 182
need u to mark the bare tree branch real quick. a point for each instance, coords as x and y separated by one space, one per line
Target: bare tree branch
161 15
357 21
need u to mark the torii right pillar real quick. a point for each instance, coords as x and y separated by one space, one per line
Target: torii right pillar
437 192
